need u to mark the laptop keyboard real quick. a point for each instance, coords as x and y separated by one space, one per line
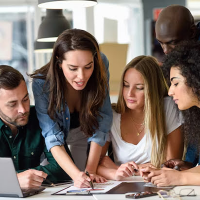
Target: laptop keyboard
31 191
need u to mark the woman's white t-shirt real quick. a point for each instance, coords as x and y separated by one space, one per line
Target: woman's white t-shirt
141 153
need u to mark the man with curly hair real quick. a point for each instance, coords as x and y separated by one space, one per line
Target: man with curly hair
174 25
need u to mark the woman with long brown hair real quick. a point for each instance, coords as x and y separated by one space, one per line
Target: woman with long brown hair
72 103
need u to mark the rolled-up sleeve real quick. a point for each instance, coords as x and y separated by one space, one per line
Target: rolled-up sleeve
105 121
51 130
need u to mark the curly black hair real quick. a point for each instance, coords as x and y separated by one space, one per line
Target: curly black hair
186 58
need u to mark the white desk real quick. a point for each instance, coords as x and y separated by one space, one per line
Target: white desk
140 179
122 196
46 194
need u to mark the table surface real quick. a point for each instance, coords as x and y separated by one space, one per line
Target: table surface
46 194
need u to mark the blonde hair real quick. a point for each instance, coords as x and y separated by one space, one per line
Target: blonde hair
155 90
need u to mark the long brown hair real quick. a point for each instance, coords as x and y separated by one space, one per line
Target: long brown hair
92 96
155 90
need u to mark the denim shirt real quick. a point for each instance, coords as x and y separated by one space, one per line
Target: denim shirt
55 131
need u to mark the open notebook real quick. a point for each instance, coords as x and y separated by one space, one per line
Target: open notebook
9 185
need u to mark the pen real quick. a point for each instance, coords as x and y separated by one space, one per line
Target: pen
49 182
91 184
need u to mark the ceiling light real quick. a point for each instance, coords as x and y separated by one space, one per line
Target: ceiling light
52 26
62 4
43 47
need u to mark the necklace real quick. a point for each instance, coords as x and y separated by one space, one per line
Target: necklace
134 123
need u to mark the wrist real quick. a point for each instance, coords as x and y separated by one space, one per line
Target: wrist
73 174
90 171
182 179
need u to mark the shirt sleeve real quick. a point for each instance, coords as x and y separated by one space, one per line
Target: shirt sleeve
173 116
51 130
100 135
191 155
55 173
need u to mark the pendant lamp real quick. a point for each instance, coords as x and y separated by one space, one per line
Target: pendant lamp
52 25
43 47
62 4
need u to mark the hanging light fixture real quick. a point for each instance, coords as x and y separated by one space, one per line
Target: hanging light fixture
52 25
43 47
62 4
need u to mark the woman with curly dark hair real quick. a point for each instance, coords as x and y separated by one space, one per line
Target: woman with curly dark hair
182 68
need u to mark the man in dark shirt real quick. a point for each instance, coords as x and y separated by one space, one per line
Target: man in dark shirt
20 134
174 25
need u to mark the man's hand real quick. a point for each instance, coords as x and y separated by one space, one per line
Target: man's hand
177 163
31 178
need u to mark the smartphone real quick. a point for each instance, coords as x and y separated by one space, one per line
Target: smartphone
139 195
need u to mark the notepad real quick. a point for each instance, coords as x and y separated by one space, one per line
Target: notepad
99 188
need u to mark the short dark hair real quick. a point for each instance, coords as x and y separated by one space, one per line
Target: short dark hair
10 78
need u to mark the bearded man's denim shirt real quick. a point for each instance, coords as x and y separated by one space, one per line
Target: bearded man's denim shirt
55 131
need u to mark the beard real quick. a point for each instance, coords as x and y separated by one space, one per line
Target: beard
20 120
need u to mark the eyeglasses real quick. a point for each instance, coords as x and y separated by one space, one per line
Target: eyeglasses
172 194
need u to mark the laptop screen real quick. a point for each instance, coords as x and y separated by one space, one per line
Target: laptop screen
9 184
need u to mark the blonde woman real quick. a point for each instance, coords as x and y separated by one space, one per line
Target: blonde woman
146 124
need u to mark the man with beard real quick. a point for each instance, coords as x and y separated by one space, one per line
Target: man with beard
20 134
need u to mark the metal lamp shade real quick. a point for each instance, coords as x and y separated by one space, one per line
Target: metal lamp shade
62 4
52 26
43 47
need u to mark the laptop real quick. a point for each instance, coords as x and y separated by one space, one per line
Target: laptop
9 185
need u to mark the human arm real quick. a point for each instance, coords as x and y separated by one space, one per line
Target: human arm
166 177
62 157
108 169
93 161
55 173
190 161
181 165
173 120
100 135
175 144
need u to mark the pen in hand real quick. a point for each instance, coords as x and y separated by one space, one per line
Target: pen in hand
49 182
91 184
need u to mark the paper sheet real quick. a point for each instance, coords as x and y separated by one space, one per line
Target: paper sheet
105 187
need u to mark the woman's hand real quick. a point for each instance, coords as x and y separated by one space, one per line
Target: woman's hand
126 170
98 179
145 174
82 180
162 177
